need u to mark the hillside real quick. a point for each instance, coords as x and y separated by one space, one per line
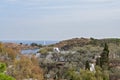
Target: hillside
90 47
80 42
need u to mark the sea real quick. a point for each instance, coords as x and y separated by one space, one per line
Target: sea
28 42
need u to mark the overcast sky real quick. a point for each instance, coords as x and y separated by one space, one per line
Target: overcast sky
59 19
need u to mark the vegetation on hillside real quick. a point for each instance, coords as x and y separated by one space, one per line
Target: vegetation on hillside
75 60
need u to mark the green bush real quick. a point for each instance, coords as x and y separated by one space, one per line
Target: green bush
2 75
5 77
2 67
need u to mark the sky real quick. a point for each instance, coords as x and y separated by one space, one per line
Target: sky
59 19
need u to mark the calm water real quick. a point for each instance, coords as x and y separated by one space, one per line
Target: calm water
29 51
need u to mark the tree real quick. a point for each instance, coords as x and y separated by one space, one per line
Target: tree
98 61
87 66
106 49
34 44
104 59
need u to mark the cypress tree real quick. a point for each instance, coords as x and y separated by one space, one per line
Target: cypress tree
104 59
98 61
87 66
